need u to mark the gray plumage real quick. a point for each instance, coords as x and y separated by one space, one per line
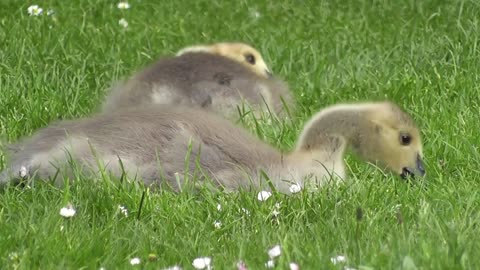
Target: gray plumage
200 79
153 144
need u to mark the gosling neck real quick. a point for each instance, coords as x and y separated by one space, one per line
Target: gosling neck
332 130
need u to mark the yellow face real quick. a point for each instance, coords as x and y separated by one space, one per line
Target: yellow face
240 52
397 145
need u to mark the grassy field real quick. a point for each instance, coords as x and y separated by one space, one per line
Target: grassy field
424 55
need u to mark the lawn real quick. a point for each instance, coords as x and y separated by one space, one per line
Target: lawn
423 55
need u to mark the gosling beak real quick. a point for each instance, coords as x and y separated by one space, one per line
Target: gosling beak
269 73
411 172
420 167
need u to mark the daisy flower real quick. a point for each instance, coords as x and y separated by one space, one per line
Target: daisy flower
202 263
294 266
123 5
270 264
263 195
122 22
67 211
338 259
245 211
135 261
295 188
34 10
175 267
123 210
241 266
274 252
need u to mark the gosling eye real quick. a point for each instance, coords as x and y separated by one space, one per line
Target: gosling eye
405 139
250 58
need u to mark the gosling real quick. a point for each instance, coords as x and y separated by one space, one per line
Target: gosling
222 77
152 143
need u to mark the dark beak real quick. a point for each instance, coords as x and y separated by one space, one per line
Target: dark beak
269 73
420 167
410 172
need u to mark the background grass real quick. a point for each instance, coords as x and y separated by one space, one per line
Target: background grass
424 55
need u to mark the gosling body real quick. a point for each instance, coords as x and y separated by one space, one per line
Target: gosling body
153 143
219 78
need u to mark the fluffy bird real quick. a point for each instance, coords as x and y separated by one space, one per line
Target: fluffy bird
220 77
152 144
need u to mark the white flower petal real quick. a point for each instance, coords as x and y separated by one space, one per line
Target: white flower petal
217 224
241 266
294 266
338 259
270 264
245 211
122 22
219 207
275 252
123 5
135 261
263 195
201 263
295 188
123 210
175 267
34 10
67 211
23 171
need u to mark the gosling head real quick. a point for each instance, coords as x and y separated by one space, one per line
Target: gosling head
394 141
240 52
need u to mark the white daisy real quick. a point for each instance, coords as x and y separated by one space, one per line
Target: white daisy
123 210
175 267
123 5
123 23
217 224
23 171
67 211
241 266
274 252
338 259
34 10
263 195
276 210
295 188
202 263
135 261
270 264
294 266
246 211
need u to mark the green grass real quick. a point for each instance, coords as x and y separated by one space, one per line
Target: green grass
423 55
